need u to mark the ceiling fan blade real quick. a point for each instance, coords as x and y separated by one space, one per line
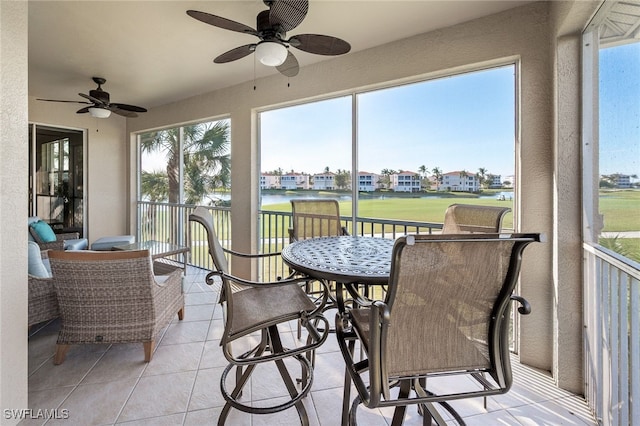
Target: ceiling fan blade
83 110
220 22
95 101
235 54
290 66
128 107
121 112
57 100
320 44
288 14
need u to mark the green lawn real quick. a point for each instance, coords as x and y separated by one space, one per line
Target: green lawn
621 209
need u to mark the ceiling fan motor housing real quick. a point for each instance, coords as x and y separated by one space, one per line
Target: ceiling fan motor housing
100 95
267 31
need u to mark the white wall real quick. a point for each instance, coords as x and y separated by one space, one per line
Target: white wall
13 207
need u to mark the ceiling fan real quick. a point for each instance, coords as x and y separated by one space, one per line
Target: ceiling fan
101 107
271 28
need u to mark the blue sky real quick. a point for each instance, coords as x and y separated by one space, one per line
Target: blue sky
620 109
454 123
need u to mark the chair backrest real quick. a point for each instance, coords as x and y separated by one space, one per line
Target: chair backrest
467 218
203 216
315 218
90 281
449 300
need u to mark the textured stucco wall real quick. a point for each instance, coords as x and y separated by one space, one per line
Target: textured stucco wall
13 207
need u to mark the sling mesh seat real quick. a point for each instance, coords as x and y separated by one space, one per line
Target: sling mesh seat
446 313
313 218
112 297
258 307
467 218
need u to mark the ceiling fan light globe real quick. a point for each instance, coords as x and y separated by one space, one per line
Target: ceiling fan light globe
271 53
99 112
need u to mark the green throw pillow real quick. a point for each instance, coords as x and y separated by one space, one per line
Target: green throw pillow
44 231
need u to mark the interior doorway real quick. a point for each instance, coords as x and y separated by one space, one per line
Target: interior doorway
56 177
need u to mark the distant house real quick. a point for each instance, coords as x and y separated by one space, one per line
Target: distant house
368 182
509 181
324 181
459 181
496 181
269 181
623 181
294 181
405 182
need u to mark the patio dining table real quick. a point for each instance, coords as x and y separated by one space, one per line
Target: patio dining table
348 260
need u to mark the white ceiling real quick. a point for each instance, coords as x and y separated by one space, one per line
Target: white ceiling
153 53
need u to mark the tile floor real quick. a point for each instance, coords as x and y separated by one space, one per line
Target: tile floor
110 384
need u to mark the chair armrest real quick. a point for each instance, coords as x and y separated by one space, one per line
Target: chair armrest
174 278
54 245
247 255
242 281
42 300
169 287
67 236
525 307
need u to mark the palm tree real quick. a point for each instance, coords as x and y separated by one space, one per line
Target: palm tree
437 173
423 176
207 163
154 187
482 176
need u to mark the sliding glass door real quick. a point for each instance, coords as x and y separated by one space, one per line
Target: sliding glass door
56 177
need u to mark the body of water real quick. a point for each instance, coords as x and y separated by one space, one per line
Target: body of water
268 199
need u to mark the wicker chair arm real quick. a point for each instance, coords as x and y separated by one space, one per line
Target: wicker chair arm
53 245
166 291
68 236
43 304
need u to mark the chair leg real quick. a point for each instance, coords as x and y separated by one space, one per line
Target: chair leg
399 412
346 396
61 353
291 387
148 350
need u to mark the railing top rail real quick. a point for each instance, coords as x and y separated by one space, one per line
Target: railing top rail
625 264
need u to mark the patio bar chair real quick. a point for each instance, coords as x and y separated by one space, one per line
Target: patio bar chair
468 218
446 314
252 307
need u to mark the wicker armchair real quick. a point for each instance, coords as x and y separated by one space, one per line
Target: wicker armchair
260 307
59 243
64 241
43 303
112 297
467 218
446 315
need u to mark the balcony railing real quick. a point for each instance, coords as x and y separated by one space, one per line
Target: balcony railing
170 223
612 336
